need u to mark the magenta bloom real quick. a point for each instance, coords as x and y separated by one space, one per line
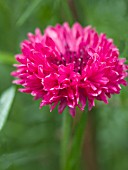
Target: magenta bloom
69 66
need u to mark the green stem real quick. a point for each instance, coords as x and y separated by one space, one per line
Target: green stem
66 132
72 142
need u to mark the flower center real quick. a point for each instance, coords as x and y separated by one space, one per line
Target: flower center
79 59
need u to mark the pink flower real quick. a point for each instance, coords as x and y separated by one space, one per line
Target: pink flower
69 66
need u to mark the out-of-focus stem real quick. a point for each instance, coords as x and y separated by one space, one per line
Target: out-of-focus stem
73 9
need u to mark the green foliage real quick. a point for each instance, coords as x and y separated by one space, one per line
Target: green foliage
30 138
5 105
6 58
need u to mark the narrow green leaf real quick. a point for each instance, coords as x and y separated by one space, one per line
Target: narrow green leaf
6 58
28 12
5 104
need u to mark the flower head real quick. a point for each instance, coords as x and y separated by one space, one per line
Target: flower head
69 66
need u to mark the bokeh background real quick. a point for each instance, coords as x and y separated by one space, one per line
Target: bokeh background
30 138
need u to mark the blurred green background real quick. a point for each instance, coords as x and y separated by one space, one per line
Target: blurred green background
30 139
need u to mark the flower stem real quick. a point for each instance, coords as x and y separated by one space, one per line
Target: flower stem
89 147
66 132
73 141
73 9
